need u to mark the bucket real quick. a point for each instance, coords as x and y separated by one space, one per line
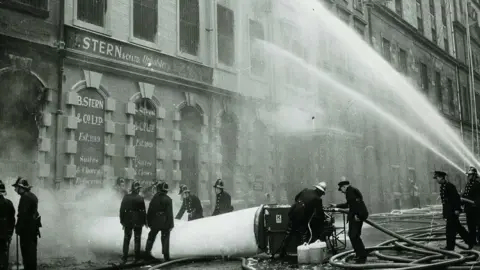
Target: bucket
316 252
302 254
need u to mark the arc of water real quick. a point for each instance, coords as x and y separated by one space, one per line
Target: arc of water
365 52
271 48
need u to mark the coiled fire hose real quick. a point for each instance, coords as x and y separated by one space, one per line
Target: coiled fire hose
410 241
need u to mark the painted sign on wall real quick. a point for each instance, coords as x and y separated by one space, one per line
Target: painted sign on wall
90 113
145 142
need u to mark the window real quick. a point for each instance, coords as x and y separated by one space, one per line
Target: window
444 13
446 43
92 11
433 21
291 42
438 86
38 8
145 18
419 16
424 78
399 7
402 59
451 104
358 5
189 26
359 27
225 36
386 49
257 59
466 103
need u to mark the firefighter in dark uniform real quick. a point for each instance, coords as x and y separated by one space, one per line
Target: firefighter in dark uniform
307 207
224 201
191 204
160 219
28 223
472 193
451 208
7 226
357 213
133 217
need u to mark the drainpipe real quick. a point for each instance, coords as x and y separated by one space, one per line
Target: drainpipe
60 44
457 72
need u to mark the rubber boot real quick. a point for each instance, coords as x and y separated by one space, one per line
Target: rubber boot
126 246
148 250
137 249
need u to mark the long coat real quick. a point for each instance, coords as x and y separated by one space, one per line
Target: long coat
450 200
223 204
472 192
308 203
355 204
193 206
28 217
7 218
160 212
133 211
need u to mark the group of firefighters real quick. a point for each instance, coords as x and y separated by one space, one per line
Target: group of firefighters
26 226
159 215
306 216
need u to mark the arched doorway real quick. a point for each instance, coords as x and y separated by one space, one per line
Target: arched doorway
228 135
20 110
190 126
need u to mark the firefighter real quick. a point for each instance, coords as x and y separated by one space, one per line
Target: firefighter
7 226
472 192
308 207
190 203
133 218
120 187
451 208
357 213
224 201
28 223
160 219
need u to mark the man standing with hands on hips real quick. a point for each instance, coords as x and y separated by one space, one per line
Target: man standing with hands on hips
357 213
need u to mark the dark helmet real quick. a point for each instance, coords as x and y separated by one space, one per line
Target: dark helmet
162 186
2 187
120 180
472 170
136 186
439 174
219 184
23 183
183 189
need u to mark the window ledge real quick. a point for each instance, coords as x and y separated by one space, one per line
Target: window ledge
92 27
189 57
229 69
258 78
144 43
24 8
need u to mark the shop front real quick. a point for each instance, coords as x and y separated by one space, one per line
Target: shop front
135 113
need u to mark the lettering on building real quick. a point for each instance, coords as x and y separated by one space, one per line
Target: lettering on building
90 138
145 141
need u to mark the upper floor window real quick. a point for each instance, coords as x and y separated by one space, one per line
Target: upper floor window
92 11
358 5
257 59
419 16
399 7
189 26
444 13
438 86
225 35
402 61
424 77
450 94
386 49
433 21
145 17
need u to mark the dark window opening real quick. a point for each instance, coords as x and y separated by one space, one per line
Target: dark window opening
438 86
402 57
420 16
451 101
145 17
399 7
92 11
257 58
225 35
424 77
386 49
189 26
466 103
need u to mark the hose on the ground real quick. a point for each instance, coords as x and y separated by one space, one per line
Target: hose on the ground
244 261
411 241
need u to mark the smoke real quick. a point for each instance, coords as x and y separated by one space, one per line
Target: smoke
292 119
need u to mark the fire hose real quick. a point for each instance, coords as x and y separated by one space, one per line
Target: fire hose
411 241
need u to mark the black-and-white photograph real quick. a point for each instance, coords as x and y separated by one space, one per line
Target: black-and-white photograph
239 134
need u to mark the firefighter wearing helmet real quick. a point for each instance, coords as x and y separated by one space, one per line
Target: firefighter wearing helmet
224 201
190 203
472 193
160 219
132 218
308 206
